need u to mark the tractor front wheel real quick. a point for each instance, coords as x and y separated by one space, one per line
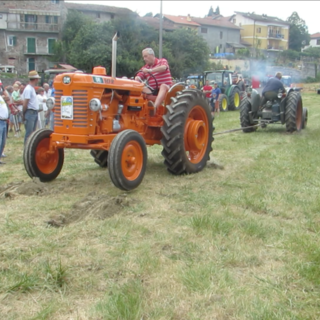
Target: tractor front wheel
127 160
245 108
223 102
187 133
294 112
41 161
234 99
304 117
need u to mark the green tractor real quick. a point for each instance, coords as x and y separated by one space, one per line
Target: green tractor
231 92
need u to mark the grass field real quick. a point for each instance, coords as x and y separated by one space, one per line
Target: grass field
239 240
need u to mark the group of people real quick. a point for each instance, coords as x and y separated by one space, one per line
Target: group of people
22 103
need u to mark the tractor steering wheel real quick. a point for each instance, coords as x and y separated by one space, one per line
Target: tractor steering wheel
146 83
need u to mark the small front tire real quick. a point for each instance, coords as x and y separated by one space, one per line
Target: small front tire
127 160
39 160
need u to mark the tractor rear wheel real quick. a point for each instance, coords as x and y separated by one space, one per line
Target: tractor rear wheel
294 112
245 108
39 161
223 102
304 117
234 99
187 133
127 160
100 157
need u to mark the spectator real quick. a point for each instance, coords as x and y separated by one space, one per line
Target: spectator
4 115
17 100
160 70
47 90
5 96
215 100
207 90
30 104
42 108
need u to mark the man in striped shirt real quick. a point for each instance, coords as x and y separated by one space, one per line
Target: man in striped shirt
161 80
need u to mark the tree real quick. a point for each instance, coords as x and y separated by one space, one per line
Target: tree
298 33
211 13
149 14
217 10
189 52
75 21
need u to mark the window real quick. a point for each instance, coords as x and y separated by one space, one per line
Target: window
55 1
221 34
31 46
0 16
239 24
234 21
31 64
52 19
318 42
51 43
258 30
12 40
204 30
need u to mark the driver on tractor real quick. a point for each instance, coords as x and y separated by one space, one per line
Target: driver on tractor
157 72
272 88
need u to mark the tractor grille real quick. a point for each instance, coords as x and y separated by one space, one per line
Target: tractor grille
80 109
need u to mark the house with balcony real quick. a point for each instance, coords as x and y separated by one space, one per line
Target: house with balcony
266 33
30 29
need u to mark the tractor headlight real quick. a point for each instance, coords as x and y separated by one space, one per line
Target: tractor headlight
66 80
280 95
50 103
95 104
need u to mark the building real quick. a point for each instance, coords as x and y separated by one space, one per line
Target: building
177 22
221 35
30 29
99 13
314 41
266 33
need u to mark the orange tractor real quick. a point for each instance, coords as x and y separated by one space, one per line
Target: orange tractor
110 117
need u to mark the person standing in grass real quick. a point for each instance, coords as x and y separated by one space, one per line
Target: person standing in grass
215 99
30 105
4 115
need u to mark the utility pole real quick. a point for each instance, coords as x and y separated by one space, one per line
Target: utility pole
160 32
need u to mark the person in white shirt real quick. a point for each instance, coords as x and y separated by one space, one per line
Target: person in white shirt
42 108
4 115
30 105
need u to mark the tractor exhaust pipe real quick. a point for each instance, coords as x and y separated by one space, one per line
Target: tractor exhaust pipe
114 54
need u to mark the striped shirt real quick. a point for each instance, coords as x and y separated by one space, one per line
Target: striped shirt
162 77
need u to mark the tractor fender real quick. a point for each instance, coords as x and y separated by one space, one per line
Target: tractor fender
230 89
255 100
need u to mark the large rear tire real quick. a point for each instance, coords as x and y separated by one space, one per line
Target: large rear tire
234 99
100 157
245 108
39 161
187 133
223 103
294 111
127 160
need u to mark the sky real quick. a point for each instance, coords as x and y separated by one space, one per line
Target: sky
307 10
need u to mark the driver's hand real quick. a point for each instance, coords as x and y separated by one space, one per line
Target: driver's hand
138 79
145 70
